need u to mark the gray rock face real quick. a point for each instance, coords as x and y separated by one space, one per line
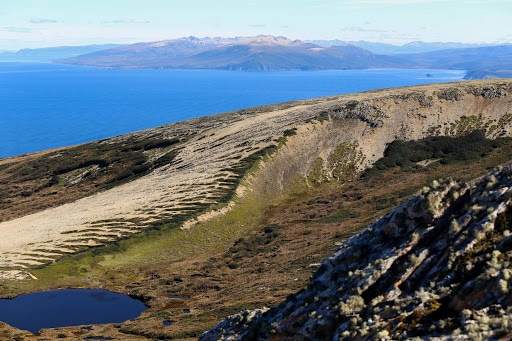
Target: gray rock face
439 265
451 94
490 92
371 115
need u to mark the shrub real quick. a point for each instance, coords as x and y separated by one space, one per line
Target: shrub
446 149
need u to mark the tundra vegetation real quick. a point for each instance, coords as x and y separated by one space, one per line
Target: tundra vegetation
436 266
298 194
263 240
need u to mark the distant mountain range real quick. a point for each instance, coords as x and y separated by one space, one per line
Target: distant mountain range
389 49
50 54
480 62
268 53
260 53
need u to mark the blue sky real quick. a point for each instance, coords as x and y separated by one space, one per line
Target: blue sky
39 23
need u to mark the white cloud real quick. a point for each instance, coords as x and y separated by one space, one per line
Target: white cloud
125 21
42 21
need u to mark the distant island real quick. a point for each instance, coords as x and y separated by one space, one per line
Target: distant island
271 53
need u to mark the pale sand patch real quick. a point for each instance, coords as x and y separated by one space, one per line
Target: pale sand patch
200 174
166 193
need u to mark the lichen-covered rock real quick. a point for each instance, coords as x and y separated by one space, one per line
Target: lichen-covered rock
440 265
450 94
237 322
490 92
361 110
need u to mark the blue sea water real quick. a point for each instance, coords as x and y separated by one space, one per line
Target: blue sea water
46 105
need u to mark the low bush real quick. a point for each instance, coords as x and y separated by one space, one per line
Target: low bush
444 149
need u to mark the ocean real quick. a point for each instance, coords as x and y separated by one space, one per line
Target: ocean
45 106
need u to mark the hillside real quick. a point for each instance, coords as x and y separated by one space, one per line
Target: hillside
181 215
439 265
260 53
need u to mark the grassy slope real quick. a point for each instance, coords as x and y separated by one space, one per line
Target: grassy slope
256 254
164 245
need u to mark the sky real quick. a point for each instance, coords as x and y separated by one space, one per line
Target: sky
42 23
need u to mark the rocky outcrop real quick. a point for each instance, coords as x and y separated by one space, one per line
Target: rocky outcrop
439 265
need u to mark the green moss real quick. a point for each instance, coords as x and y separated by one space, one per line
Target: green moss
345 161
466 125
491 127
316 175
342 165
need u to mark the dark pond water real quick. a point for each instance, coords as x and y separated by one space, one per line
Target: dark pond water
68 307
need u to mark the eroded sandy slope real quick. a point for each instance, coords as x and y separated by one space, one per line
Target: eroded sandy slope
207 165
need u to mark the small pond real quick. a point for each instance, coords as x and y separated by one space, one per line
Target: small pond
68 307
